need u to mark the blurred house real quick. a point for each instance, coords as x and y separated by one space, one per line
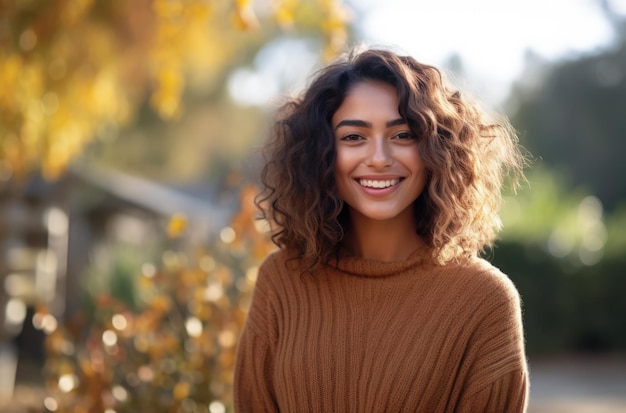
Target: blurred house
49 232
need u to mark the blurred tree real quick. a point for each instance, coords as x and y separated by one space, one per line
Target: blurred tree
171 347
74 70
574 120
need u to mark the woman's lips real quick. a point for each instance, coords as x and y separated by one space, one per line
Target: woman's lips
378 183
379 187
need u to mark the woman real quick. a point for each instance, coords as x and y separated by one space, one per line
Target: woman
382 187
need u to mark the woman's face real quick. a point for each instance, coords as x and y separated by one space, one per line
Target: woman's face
379 171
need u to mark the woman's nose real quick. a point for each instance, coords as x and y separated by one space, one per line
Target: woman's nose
380 154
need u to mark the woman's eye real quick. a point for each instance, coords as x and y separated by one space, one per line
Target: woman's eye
351 137
405 136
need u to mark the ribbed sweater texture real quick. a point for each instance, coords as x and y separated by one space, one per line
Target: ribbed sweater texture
368 336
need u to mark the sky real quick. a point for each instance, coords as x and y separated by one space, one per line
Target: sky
492 38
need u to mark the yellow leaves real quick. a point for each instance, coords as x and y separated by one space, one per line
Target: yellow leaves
71 67
170 29
181 34
245 17
334 25
181 390
50 120
331 17
285 13
162 304
10 69
167 8
166 98
177 224
103 91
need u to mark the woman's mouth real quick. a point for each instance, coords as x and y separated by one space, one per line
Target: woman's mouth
378 183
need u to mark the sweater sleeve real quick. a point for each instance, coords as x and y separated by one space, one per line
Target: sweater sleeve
253 386
253 382
498 372
508 394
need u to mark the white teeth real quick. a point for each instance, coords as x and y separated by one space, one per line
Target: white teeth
370 183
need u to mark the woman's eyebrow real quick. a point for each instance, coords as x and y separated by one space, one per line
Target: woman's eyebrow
396 122
353 122
364 124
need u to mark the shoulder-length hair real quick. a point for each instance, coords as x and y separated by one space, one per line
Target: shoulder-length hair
466 152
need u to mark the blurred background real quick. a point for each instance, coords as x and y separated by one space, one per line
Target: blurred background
129 153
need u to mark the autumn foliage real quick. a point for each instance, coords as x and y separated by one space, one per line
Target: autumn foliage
74 70
175 353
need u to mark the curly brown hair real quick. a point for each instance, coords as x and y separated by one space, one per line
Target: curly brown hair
467 153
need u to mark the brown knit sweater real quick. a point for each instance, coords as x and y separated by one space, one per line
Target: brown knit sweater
368 336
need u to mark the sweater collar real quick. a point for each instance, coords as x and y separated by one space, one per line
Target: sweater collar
364 267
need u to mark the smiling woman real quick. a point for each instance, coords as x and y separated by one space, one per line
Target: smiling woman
379 172
382 185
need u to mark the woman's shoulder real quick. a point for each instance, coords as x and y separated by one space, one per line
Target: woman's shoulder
483 278
279 260
278 267
478 293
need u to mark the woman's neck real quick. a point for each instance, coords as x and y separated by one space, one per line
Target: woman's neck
388 241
